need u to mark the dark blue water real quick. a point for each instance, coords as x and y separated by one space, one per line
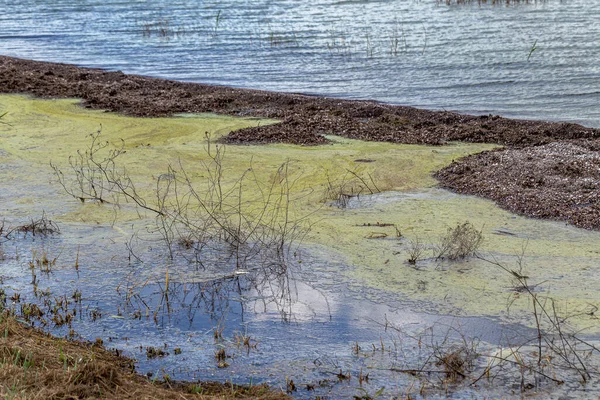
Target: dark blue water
468 58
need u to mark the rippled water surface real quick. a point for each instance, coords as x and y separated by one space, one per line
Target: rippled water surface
469 58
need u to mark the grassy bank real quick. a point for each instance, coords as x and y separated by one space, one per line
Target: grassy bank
36 365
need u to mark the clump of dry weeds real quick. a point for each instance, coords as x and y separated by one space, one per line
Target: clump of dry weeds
42 226
460 242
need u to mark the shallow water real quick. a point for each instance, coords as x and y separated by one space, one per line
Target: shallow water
309 339
469 58
346 283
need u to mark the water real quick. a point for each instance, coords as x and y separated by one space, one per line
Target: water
470 58
302 326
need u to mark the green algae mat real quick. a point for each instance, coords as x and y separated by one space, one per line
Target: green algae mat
369 203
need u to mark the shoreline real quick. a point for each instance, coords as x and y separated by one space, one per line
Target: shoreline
39 365
548 170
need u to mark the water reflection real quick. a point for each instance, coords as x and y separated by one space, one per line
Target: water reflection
272 319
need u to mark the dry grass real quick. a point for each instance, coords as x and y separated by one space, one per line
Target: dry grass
36 365
460 242
42 227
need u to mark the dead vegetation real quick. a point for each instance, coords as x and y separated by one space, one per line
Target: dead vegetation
304 118
251 217
556 181
37 366
459 242
350 184
41 227
416 248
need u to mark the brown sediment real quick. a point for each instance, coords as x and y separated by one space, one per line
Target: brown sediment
305 119
38 366
530 176
559 180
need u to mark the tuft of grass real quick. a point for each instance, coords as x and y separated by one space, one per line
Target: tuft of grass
42 261
460 242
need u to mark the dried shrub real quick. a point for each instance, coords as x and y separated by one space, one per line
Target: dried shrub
253 217
42 226
351 184
415 251
457 362
459 242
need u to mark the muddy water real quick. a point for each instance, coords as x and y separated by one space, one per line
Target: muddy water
345 283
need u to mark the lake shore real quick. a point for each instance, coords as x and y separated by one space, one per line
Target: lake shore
545 169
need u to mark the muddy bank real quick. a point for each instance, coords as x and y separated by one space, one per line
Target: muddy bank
555 180
305 118
559 180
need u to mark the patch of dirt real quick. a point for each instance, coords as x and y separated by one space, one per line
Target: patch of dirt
546 171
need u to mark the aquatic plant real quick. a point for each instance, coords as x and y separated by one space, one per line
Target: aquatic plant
253 217
459 242
42 261
369 45
397 35
352 183
338 43
533 48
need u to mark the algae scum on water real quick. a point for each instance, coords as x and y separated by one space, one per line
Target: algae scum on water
201 260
